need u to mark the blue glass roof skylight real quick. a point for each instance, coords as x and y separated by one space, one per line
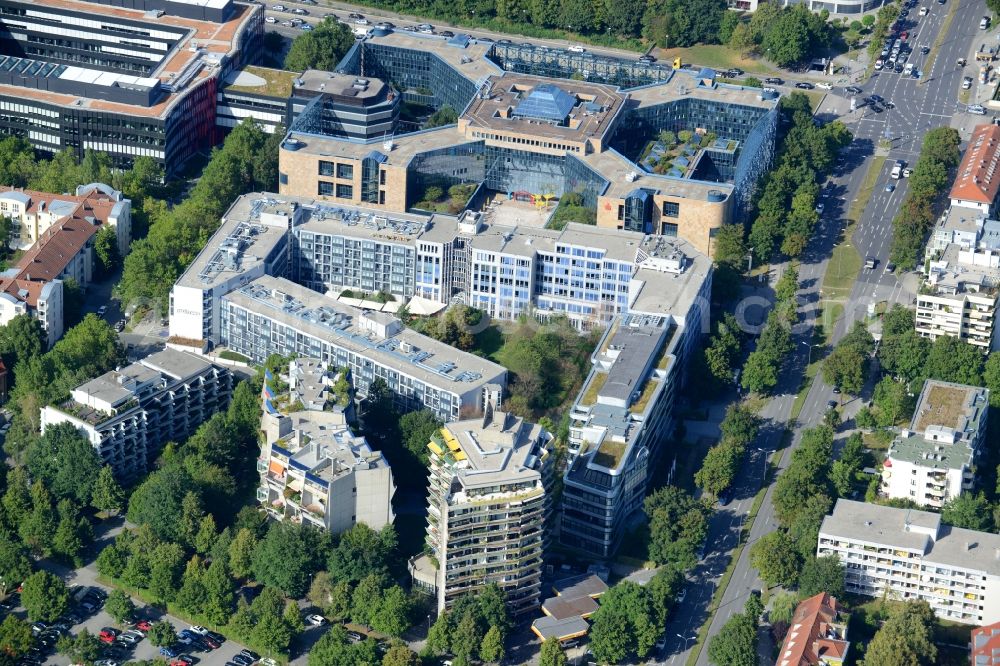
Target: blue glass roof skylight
546 102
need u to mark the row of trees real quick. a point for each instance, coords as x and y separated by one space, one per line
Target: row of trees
736 642
803 495
763 365
786 208
939 154
722 462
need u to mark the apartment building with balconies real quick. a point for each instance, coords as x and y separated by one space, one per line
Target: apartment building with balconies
129 414
959 302
488 508
933 460
314 469
909 554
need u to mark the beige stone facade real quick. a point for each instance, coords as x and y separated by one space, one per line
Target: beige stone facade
696 220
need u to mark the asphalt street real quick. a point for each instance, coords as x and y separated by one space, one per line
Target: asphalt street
919 106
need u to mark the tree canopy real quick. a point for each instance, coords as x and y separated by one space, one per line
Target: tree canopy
320 48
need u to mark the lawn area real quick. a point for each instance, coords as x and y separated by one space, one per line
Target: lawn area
845 262
718 57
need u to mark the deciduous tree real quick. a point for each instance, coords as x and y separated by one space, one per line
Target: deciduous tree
44 596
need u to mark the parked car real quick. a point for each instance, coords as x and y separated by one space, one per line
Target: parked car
197 629
316 620
804 85
251 654
215 636
187 659
853 90
143 625
169 651
773 81
355 637
977 109
241 660
824 85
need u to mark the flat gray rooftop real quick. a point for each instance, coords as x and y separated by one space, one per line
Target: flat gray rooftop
497 451
882 525
324 318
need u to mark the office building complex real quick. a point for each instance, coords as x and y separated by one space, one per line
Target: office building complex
129 81
490 495
585 273
933 461
130 413
817 635
314 470
909 554
528 135
623 415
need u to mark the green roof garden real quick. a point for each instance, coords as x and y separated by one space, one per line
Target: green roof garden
609 454
639 406
263 81
593 388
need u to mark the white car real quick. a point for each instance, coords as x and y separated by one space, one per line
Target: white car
977 109
819 207
316 620
201 631
824 86
270 19
576 49
923 11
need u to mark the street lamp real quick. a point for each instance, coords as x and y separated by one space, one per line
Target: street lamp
809 360
686 639
749 260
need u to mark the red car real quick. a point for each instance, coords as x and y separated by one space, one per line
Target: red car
903 35
143 625
105 637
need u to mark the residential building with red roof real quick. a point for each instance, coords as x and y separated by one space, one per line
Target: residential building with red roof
818 634
986 645
977 182
61 230
35 212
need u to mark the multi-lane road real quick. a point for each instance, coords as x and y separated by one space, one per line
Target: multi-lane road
919 105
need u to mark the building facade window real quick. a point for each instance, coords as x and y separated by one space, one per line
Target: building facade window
345 171
325 189
670 230
671 209
345 191
326 168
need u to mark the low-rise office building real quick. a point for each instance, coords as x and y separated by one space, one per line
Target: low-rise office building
911 555
129 414
933 461
314 469
488 508
130 79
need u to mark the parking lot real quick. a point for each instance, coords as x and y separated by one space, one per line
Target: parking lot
143 650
